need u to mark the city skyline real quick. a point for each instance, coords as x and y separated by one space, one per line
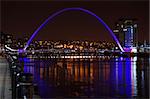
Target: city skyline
74 49
23 18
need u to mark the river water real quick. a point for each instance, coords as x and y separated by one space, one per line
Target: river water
105 77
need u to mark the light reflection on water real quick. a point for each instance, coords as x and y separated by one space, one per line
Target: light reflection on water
112 77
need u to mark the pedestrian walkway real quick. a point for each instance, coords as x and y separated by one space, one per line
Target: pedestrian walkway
5 80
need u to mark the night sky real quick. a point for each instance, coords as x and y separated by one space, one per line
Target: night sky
22 18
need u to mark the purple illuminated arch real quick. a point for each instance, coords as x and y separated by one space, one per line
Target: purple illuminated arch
78 9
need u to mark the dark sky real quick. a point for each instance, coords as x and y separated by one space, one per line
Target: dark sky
22 18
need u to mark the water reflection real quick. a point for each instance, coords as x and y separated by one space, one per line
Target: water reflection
109 77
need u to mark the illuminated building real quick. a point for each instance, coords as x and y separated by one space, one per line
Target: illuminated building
8 39
126 32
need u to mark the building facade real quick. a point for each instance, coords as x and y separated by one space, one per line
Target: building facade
126 32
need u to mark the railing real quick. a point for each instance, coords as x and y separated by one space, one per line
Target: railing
21 83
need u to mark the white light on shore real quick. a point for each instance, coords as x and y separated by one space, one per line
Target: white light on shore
134 50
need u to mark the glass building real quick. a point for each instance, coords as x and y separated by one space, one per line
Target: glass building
126 32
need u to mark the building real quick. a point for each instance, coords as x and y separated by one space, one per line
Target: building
6 39
126 32
9 40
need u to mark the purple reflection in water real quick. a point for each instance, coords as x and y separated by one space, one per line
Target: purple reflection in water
115 77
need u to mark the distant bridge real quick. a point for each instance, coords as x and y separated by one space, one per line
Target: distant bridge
76 9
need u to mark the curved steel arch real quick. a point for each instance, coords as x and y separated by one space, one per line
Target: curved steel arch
80 9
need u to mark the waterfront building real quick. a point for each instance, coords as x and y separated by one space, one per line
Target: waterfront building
126 32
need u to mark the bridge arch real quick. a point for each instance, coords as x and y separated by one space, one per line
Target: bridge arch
78 9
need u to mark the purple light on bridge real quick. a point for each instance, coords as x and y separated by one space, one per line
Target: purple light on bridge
21 50
76 9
